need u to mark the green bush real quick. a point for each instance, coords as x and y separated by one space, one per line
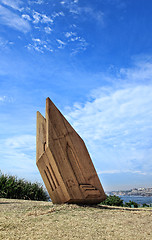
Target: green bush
113 201
130 204
11 187
145 205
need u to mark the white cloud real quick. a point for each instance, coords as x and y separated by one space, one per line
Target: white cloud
57 14
48 30
15 4
4 44
19 155
22 143
81 44
39 2
40 25
13 20
69 34
142 71
117 123
46 19
39 45
85 11
61 43
26 17
115 110
69 1
72 5
41 18
121 171
36 17
95 14
2 98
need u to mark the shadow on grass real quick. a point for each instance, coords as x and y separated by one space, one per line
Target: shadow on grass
10 203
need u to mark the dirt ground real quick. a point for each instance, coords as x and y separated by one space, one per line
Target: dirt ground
27 220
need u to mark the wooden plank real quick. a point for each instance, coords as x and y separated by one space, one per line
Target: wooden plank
40 135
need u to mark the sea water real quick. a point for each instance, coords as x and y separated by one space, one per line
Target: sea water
137 199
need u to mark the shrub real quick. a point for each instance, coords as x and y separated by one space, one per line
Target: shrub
11 187
113 201
145 205
130 203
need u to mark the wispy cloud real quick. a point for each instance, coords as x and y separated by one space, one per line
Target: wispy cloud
42 18
4 44
61 43
48 30
2 98
22 17
39 2
15 4
39 45
26 17
6 99
94 14
18 155
84 11
70 34
13 20
116 122
77 43
58 14
22 143
142 71
122 171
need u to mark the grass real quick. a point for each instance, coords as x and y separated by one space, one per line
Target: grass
26 220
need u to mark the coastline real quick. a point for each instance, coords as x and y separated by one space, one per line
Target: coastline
138 199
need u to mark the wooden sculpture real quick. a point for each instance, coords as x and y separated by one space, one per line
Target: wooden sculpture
64 162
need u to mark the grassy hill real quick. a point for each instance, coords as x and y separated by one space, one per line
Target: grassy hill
26 220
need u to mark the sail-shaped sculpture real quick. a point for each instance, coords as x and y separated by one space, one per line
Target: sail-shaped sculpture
64 162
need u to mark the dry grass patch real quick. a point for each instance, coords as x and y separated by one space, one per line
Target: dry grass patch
27 220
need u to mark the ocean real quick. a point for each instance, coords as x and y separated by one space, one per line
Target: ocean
137 199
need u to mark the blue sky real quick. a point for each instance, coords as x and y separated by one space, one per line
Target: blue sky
93 58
